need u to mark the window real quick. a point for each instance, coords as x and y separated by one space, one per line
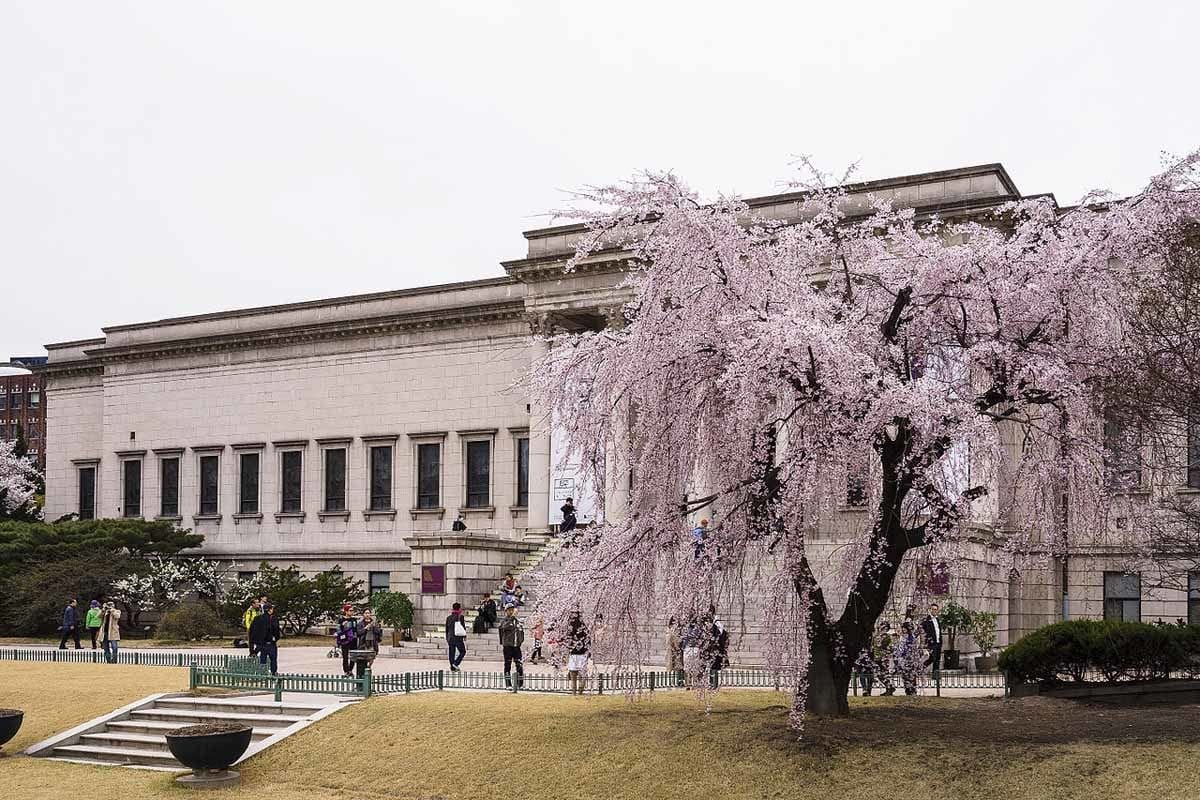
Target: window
856 491
1123 596
379 582
3 400
35 398
1122 456
87 492
523 473
1193 453
248 483
131 488
335 479
1194 598
168 469
429 475
479 474
15 402
291 472
381 478
34 433
210 482
246 575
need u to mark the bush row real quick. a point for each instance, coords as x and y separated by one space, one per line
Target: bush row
1084 649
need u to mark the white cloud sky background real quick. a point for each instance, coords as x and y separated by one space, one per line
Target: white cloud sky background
168 158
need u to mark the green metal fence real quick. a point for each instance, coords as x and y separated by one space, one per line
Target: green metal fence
930 680
146 658
278 684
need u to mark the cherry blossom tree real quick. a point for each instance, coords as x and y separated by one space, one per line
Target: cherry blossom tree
19 481
950 372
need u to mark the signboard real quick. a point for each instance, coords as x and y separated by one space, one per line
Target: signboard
433 579
566 481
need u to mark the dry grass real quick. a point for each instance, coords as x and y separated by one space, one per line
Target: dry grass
307 640
465 746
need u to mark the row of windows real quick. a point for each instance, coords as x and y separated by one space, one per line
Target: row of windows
14 400
376 581
29 430
1123 597
380 462
1123 454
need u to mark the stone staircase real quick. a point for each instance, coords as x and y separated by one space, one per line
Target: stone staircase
136 736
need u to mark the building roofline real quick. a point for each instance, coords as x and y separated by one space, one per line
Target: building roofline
860 187
74 343
305 304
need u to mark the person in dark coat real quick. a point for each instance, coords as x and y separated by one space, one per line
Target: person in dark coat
70 626
568 515
264 638
578 641
485 615
717 652
931 629
456 636
512 637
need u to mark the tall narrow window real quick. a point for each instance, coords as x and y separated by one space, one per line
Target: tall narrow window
1123 596
479 474
1193 452
87 493
1122 454
523 473
335 479
169 496
292 469
1194 598
856 491
381 478
131 488
210 483
248 464
429 475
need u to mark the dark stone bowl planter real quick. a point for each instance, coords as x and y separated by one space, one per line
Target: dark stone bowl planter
208 750
950 659
10 723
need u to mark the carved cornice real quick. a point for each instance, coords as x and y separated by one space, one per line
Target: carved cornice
281 337
68 369
550 266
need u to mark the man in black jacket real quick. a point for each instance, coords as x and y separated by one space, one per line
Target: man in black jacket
456 636
265 636
512 636
932 631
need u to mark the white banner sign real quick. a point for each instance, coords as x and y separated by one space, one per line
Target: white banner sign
566 481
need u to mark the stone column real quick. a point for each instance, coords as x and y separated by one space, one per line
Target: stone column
539 434
617 458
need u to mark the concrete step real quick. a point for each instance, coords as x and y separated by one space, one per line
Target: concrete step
127 741
237 705
148 727
118 755
270 721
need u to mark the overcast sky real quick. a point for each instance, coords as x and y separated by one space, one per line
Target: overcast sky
168 158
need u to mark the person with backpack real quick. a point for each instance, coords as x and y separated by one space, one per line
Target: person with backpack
347 639
70 626
110 631
512 637
456 636
253 611
92 621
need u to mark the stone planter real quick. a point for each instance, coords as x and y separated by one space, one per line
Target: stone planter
986 663
10 723
209 750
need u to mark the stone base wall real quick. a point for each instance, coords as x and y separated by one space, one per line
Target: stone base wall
473 565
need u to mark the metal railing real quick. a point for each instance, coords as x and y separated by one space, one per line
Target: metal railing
145 658
278 684
936 680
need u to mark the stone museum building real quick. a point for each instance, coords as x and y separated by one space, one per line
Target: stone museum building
355 430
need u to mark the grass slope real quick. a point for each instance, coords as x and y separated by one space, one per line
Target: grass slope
468 746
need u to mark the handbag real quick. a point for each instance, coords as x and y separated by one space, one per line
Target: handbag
459 628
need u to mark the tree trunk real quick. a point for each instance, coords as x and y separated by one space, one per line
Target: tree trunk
828 677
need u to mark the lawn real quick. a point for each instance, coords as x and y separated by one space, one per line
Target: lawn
474 746
307 640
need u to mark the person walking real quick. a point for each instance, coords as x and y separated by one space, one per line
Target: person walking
265 636
579 645
931 629
674 647
568 516
369 633
92 621
907 656
347 639
881 654
70 625
539 633
512 637
718 652
110 631
456 636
